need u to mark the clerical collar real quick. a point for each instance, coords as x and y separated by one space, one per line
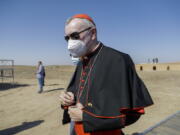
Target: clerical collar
94 52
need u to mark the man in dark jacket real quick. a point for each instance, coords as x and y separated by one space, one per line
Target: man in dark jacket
105 93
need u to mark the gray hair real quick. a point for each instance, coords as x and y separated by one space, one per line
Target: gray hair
86 22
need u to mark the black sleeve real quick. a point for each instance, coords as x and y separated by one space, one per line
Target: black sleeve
139 93
66 118
92 124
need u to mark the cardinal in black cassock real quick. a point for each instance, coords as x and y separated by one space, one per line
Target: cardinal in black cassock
113 96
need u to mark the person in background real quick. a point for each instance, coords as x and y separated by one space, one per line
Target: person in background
74 59
40 74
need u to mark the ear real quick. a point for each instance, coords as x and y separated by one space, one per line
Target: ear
94 34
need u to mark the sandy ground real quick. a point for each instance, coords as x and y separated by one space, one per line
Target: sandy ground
25 112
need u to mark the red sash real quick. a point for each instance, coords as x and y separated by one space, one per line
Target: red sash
80 131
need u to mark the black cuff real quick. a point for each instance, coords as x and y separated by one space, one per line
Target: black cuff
93 124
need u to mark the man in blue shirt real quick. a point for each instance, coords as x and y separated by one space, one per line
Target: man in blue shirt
40 74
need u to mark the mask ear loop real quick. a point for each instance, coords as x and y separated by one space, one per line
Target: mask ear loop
86 35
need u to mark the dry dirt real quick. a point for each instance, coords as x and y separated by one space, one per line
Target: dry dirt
25 112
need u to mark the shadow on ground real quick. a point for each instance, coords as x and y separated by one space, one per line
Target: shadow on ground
52 84
8 86
53 90
137 134
20 128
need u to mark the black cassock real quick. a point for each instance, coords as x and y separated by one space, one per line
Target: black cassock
107 84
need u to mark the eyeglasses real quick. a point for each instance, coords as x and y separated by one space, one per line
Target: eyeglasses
75 35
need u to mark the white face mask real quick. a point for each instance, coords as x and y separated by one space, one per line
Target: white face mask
77 48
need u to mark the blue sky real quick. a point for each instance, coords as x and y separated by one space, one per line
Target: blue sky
32 30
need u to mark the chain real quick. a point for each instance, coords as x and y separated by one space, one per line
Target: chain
79 94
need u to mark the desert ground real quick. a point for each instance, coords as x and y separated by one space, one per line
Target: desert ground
25 112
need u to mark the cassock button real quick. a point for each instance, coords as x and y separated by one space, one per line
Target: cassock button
82 80
90 104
